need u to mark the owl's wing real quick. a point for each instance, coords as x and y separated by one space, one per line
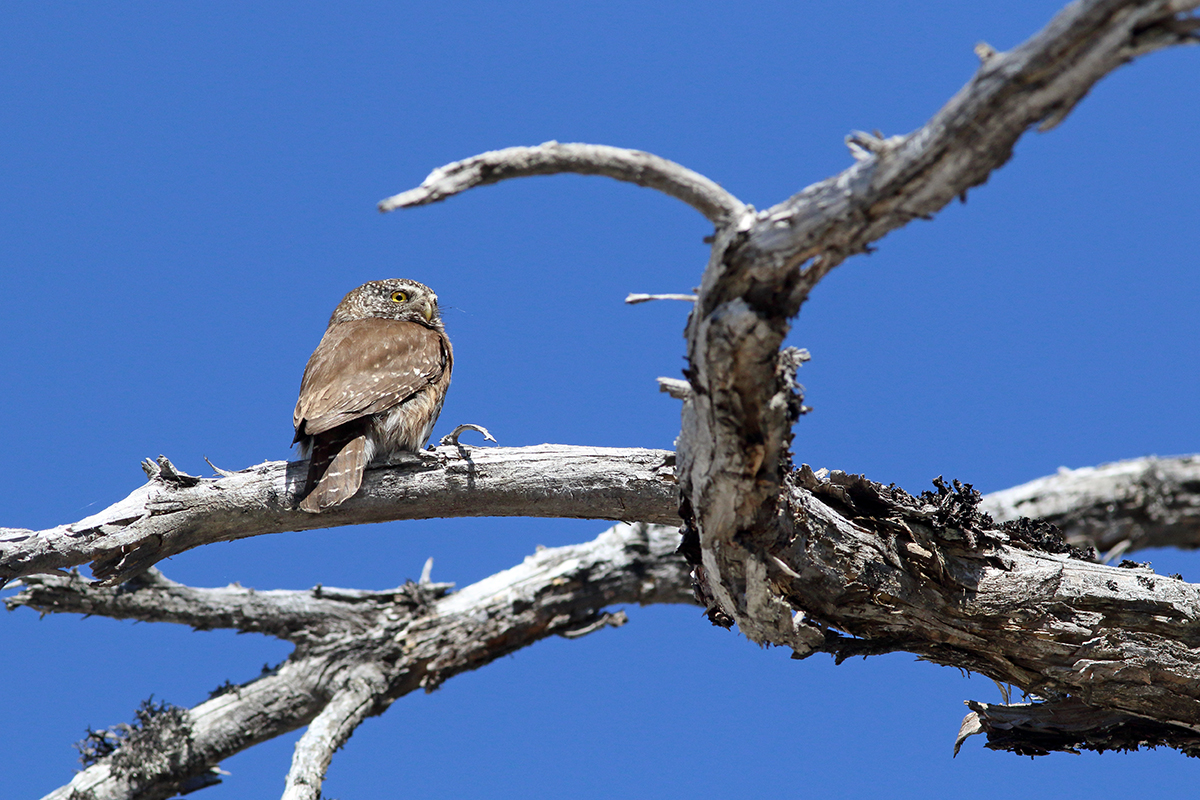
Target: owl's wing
366 366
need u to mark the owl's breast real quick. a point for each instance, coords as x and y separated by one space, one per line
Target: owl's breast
406 428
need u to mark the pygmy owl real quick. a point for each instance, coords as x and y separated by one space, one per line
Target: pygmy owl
373 387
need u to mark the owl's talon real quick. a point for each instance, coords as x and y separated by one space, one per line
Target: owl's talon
451 439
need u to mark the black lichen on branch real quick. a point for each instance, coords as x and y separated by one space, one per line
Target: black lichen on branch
1037 534
1069 726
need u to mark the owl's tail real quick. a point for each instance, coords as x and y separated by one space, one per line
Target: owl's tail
336 472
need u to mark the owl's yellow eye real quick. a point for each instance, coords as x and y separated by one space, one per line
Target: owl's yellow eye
399 297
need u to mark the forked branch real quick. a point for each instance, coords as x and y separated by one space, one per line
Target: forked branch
733 451
387 645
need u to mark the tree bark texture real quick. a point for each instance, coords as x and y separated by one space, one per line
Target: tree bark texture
175 512
356 651
815 561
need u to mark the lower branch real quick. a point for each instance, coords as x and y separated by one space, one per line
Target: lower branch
330 730
934 576
1068 726
171 758
175 512
301 617
395 647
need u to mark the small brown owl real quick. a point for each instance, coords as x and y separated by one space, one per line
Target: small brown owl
373 387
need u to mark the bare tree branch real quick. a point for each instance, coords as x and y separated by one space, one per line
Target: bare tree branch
1116 508
924 575
302 617
1036 729
174 513
933 576
352 704
820 563
396 645
733 449
637 297
552 158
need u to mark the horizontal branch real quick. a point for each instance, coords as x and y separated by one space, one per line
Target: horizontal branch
174 513
302 617
552 158
933 576
926 575
1116 508
556 591
1069 726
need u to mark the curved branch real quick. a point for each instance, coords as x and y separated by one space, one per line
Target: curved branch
552 158
736 429
1116 508
556 591
173 513
332 728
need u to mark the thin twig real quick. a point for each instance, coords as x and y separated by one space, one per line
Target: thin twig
634 298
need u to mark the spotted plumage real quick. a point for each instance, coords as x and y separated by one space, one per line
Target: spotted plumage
373 387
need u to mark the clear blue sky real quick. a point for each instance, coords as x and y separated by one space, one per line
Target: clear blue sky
189 189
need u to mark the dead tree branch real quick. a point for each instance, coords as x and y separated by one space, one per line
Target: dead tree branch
378 647
174 512
1069 726
819 563
933 576
1116 508
734 458
755 531
552 158
351 704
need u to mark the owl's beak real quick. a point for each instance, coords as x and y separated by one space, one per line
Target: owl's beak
428 311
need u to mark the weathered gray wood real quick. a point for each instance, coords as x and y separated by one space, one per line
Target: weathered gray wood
1116 508
632 166
793 558
376 645
352 703
733 448
1033 729
933 576
174 513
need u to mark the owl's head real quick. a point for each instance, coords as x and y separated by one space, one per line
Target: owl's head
396 298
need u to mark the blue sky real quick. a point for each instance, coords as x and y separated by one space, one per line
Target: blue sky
188 190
